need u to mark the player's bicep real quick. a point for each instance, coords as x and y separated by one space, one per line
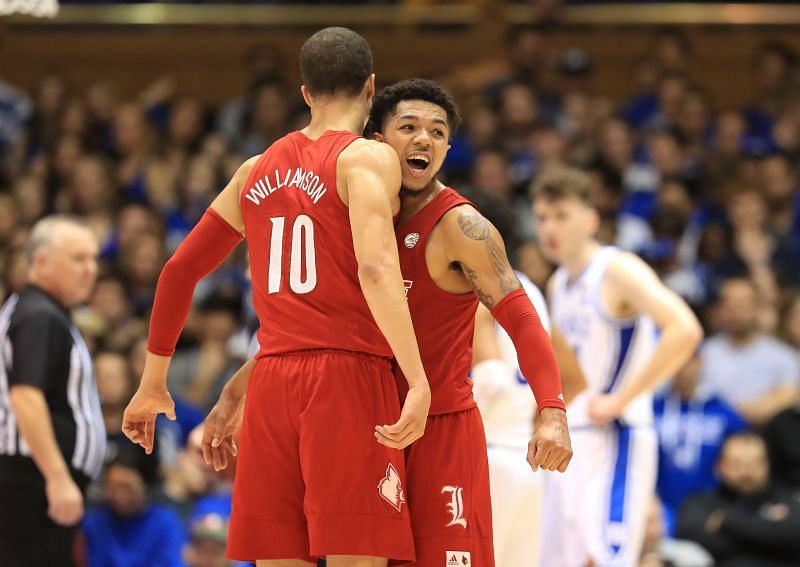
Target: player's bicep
226 204
370 209
480 252
638 285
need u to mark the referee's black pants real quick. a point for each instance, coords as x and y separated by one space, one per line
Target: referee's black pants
28 537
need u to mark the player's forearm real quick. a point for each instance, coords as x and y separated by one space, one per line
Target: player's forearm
678 341
36 428
382 286
154 376
236 387
201 252
537 362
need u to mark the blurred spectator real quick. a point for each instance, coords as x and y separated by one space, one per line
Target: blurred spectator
206 547
197 374
779 186
755 373
264 63
691 428
782 434
15 111
128 530
756 252
660 550
773 69
746 522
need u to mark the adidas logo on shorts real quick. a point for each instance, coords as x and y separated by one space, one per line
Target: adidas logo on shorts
458 559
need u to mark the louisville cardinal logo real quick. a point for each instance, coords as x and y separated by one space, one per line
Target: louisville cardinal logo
390 488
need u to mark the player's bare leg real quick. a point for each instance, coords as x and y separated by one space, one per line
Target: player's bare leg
282 563
356 561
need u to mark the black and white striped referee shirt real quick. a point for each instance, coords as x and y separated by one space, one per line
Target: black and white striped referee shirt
40 347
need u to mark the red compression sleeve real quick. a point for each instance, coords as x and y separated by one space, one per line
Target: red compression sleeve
516 315
200 253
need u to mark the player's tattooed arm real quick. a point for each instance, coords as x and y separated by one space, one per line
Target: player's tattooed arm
477 248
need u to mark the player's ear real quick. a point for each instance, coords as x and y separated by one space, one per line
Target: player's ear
306 95
371 86
594 220
377 136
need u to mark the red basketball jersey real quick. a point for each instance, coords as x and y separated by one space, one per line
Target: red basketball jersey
305 275
444 322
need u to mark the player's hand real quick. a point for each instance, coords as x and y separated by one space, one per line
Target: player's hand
220 429
605 408
550 448
411 425
64 501
139 419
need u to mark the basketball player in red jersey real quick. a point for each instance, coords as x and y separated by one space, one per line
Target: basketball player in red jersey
316 208
451 258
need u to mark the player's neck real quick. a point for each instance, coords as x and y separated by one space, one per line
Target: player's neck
340 115
577 263
413 202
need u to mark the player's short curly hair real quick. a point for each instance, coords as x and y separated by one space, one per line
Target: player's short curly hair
385 103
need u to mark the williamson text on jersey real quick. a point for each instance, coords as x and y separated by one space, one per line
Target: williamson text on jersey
304 179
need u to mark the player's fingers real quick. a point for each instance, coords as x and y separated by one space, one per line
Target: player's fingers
532 457
218 458
207 457
230 447
217 432
149 435
542 453
386 442
395 428
407 439
562 466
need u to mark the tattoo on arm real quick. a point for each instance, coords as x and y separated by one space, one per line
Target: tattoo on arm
505 273
476 227
471 276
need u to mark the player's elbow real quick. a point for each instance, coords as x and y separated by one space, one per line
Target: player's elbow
371 271
691 333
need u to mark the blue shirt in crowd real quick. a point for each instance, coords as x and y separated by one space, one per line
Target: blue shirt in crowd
155 538
690 437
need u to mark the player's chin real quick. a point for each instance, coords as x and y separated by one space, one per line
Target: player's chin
414 185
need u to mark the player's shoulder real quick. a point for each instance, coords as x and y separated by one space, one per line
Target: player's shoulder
365 153
627 265
464 221
244 170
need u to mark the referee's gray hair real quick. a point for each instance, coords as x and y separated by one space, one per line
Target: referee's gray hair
44 230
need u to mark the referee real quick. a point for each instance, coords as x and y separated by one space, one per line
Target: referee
52 439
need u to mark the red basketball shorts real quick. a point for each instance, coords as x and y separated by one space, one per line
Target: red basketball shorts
448 492
311 479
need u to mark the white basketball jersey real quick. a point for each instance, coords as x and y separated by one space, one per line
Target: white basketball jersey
609 350
508 420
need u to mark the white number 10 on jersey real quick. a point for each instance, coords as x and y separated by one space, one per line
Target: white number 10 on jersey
302 252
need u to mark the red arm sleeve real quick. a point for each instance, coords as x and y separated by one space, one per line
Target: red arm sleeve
201 252
516 315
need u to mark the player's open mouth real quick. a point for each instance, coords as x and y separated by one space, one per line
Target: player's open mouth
417 164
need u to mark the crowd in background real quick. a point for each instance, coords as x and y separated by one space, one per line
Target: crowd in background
709 197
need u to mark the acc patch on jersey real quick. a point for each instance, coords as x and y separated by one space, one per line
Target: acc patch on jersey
411 239
458 559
